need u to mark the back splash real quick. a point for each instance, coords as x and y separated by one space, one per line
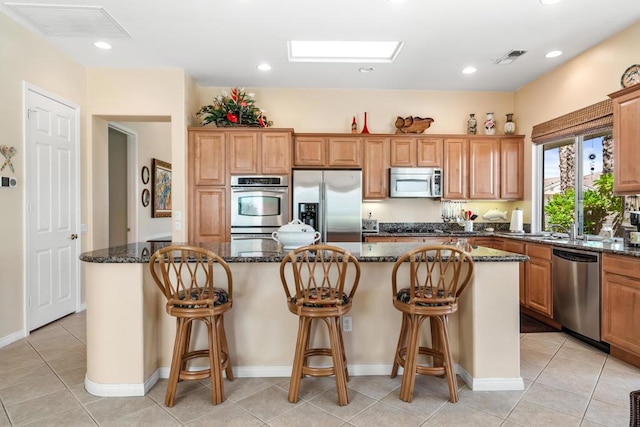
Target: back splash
431 227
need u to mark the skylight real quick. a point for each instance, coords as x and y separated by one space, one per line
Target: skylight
343 51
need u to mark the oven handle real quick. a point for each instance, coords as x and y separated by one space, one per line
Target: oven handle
253 189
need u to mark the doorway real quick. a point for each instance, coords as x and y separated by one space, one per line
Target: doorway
123 187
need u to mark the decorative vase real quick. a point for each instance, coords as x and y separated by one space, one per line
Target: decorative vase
509 125
364 126
354 125
490 125
472 124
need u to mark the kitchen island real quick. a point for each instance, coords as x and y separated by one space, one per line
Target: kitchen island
130 336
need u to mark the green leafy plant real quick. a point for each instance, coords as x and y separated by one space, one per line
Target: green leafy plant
237 108
599 204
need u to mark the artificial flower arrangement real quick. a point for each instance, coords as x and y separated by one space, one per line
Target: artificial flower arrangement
237 108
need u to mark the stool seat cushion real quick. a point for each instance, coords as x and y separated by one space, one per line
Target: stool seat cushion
404 296
219 296
313 294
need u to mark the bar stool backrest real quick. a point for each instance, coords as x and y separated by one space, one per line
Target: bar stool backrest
185 275
319 275
436 274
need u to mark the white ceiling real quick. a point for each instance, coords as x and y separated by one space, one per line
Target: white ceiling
220 43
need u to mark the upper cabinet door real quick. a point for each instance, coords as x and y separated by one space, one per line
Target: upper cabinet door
309 151
243 156
403 152
626 149
484 168
276 153
376 168
455 168
512 168
345 151
207 158
429 152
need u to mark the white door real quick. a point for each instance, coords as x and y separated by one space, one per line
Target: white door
52 263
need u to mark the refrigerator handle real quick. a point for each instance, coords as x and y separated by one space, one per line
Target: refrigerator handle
323 206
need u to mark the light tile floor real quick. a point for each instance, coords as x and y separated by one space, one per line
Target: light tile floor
567 384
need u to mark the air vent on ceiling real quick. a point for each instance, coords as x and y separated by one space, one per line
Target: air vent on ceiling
510 57
70 21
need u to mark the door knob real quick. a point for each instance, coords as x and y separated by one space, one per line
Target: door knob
73 236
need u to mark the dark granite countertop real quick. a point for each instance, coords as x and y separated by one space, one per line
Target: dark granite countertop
263 250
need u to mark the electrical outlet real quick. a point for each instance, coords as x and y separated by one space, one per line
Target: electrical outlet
347 324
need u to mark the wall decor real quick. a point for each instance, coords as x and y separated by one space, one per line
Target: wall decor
8 153
146 197
145 175
160 189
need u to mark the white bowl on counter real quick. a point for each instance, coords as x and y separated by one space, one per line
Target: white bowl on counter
295 234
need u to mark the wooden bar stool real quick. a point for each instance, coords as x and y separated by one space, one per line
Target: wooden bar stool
185 275
314 279
432 278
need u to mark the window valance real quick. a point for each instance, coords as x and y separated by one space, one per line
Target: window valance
591 119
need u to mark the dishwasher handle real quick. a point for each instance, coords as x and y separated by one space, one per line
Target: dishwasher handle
574 256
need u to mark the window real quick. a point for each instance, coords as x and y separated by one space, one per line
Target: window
577 184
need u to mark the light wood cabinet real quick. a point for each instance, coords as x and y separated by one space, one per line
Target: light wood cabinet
209 215
259 152
416 152
327 151
455 168
484 168
375 170
538 287
207 158
512 168
407 239
216 153
518 248
626 133
621 305
309 151
345 152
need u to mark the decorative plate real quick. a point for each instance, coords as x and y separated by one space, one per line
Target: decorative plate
631 76
146 196
145 175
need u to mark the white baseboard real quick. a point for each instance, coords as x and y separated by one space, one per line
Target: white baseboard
112 390
11 338
490 384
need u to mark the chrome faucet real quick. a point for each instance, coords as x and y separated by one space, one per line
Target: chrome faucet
572 231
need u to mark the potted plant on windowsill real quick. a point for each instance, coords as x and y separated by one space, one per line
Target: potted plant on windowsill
237 108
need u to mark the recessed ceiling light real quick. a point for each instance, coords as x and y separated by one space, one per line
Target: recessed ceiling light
343 51
264 67
366 69
102 45
553 54
549 1
469 70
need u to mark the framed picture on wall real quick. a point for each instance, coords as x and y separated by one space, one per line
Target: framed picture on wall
160 189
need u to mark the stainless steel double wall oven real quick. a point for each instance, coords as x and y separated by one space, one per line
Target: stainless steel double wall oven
259 205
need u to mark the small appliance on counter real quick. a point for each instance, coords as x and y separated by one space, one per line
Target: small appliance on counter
370 226
634 236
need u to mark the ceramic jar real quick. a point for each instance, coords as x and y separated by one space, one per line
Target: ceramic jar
295 234
509 125
472 124
490 125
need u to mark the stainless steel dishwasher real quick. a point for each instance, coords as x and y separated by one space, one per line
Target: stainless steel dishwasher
576 291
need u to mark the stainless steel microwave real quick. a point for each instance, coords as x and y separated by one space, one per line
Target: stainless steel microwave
415 182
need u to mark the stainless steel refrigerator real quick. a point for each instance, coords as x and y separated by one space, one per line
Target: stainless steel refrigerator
331 202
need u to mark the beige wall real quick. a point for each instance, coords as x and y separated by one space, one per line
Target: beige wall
331 110
138 95
585 80
25 57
